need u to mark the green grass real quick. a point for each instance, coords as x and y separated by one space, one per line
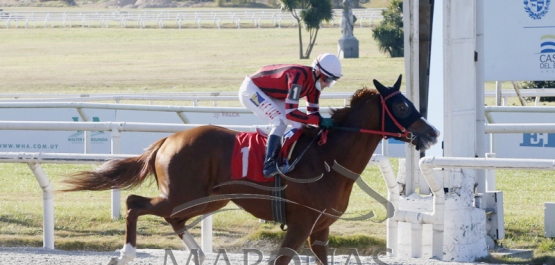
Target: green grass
114 60
170 60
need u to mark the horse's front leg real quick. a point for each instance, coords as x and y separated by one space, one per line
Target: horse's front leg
318 243
295 236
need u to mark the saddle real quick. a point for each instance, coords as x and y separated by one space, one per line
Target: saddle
248 154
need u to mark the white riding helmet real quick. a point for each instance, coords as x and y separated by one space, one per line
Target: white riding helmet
329 64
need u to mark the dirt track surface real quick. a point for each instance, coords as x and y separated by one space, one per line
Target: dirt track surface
36 256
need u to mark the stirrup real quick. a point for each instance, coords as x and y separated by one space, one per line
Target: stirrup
270 175
284 169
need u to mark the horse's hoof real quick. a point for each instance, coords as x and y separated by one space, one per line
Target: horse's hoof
113 261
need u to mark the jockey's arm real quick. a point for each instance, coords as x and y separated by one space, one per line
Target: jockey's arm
292 108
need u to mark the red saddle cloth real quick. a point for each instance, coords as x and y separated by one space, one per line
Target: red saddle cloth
248 154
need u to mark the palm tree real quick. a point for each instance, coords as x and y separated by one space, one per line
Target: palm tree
310 14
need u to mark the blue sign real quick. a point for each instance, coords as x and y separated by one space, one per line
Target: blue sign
538 139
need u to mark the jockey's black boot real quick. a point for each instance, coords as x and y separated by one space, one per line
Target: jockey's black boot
270 160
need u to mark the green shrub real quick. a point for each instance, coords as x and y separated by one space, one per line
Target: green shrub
389 33
540 84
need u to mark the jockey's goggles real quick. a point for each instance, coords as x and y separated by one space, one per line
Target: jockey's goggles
329 79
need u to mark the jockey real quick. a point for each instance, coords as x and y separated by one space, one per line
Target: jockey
273 92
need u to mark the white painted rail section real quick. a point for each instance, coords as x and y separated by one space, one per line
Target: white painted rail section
34 160
179 110
520 128
194 97
536 93
515 109
159 18
225 96
113 126
486 163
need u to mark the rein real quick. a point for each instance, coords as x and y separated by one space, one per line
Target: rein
324 133
404 132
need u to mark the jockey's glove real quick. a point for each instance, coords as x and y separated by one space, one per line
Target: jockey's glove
326 123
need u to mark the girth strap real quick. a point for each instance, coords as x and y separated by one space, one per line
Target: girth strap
278 206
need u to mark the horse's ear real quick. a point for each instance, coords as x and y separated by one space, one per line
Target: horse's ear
381 88
397 85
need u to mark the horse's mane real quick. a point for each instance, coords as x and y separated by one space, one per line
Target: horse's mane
338 115
361 95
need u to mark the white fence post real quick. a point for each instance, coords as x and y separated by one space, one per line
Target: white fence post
116 193
206 235
47 204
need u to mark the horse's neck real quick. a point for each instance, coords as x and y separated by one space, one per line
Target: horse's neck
353 150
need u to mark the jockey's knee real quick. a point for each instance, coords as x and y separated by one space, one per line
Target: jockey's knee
279 129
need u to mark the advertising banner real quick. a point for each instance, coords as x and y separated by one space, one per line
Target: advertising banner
519 40
524 145
131 142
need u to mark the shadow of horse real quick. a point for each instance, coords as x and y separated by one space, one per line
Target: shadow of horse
193 171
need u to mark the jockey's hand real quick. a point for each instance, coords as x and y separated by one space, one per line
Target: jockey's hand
326 123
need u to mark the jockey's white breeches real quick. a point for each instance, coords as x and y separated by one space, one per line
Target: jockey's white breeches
265 107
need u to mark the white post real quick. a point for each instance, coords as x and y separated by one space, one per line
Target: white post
480 143
490 175
416 240
86 134
411 40
116 193
87 139
206 235
498 90
392 225
47 204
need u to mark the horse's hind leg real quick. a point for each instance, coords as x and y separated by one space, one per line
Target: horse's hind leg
178 225
137 206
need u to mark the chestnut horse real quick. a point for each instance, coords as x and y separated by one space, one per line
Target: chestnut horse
190 167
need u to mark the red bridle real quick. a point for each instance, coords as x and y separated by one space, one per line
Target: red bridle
404 132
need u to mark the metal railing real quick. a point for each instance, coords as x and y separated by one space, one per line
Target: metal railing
170 18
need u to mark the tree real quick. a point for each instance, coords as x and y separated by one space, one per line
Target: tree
389 34
310 14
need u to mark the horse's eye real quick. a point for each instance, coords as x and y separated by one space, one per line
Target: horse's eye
401 109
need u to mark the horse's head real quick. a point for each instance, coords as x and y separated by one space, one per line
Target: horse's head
401 115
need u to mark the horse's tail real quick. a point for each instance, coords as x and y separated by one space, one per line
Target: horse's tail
117 173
